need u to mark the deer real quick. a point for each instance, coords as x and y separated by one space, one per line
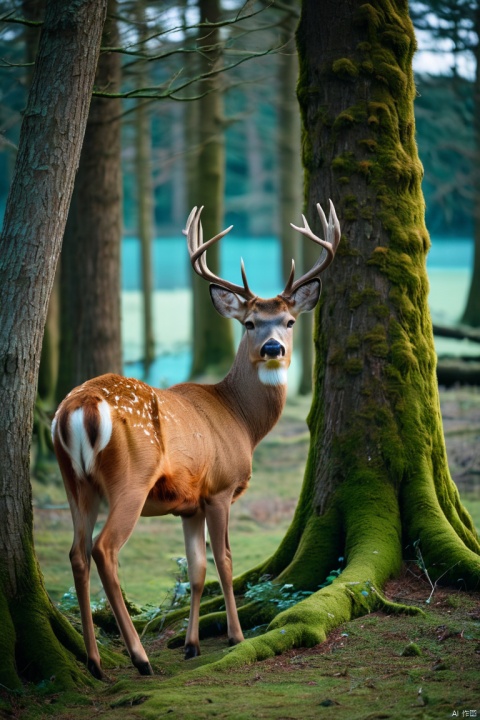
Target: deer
186 450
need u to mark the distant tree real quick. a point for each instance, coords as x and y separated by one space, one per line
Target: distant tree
377 488
145 198
213 349
458 21
90 342
36 642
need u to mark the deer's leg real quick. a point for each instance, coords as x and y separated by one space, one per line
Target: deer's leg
84 508
217 512
124 512
194 534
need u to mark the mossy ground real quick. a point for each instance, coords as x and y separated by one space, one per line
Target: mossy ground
358 672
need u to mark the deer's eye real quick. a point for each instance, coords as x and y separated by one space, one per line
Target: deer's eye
290 323
249 325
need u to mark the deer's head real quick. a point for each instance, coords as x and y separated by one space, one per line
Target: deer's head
268 323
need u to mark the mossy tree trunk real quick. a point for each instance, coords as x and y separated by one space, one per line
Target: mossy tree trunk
36 642
213 349
90 340
471 314
377 483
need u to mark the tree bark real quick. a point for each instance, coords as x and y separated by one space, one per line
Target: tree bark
213 349
35 637
90 342
377 488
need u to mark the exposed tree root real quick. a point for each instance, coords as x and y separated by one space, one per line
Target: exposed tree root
42 645
368 509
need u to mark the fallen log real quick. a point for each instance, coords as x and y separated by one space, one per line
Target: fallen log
458 332
456 371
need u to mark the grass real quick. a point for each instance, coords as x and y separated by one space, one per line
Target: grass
360 672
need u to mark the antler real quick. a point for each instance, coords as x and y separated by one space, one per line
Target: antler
332 238
197 248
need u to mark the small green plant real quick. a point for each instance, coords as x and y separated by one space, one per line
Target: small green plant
283 596
103 616
333 574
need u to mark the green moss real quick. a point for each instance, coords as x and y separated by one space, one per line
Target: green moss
369 15
411 650
353 366
379 113
357 298
344 163
364 47
367 67
380 310
8 673
369 144
345 68
377 340
364 167
345 119
353 341
401 42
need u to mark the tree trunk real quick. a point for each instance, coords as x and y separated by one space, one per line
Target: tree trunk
213 350
35 637
143 157
90 341
34 10
290 188
471 314
377 488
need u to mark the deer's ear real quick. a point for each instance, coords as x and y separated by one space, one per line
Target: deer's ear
227 303
306 296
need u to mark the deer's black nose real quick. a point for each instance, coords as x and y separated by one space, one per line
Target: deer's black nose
272 348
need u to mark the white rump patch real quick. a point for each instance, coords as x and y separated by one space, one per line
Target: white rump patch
105 429
272 375
80 450
54 425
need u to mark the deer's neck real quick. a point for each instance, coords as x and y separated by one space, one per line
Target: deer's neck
257 405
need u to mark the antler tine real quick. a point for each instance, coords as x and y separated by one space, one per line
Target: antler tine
289 285
332 234
197 249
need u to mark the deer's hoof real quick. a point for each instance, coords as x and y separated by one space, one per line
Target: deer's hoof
191 650
95 670
143 667
234 641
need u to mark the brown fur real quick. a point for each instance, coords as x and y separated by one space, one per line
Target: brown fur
186 451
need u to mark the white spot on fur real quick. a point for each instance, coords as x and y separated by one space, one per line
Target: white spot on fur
272 376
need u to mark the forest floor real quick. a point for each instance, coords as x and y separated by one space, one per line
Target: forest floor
378 666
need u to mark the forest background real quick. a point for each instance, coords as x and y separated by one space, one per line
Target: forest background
157 52
253 155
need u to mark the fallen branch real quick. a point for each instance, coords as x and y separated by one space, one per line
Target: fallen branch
456 371
458 332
